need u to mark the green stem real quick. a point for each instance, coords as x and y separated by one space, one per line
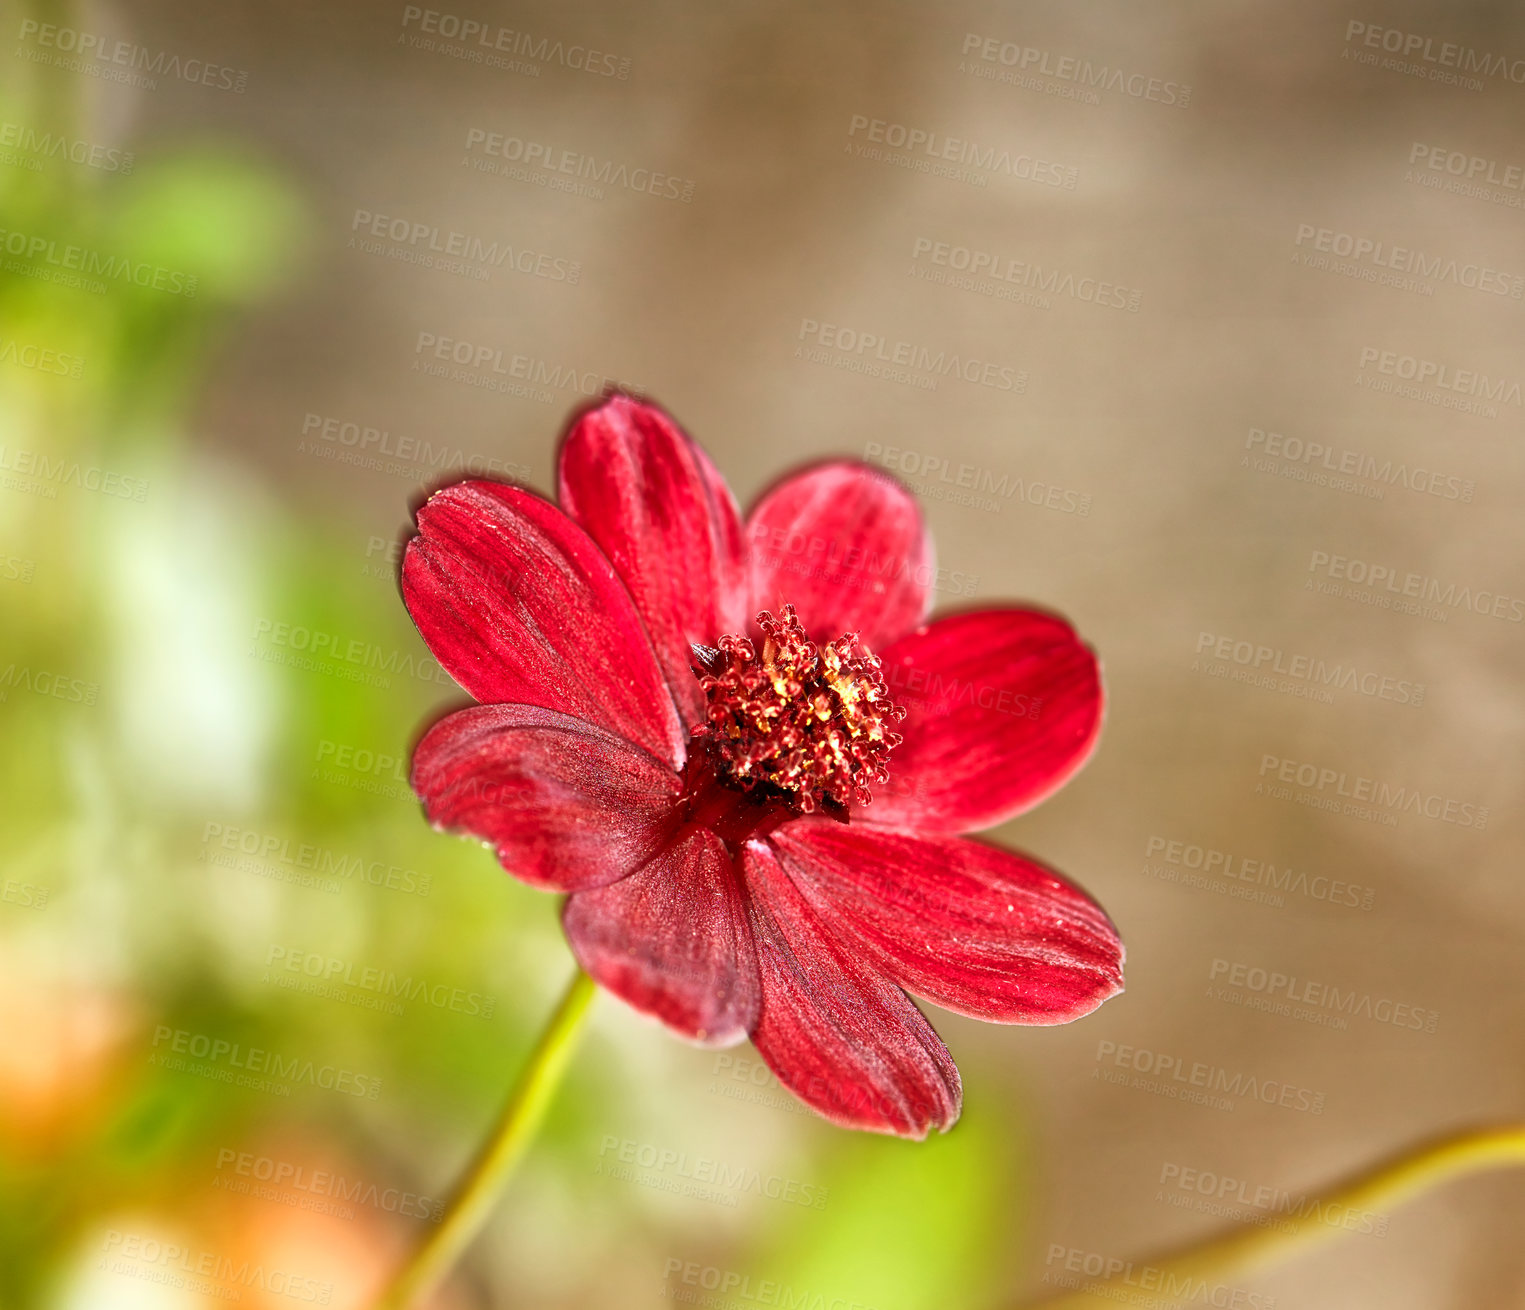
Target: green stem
478 1192
1390 1183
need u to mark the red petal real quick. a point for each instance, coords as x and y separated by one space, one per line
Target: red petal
1004 707
844 543
519 605
969 927
838 1034
665 518
564 804
673 940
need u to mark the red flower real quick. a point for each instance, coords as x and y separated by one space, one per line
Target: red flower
757 816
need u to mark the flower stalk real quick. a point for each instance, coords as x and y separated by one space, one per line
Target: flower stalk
479 1190
1379 1187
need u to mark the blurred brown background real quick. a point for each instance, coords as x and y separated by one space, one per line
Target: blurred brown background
1123 482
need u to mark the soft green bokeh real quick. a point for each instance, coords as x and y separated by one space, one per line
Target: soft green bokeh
915 1226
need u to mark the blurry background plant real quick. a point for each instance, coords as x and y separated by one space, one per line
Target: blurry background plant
147 747
188 809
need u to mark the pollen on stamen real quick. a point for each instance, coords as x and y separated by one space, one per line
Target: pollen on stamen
810 725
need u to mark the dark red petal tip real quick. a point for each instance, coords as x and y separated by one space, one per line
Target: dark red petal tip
519 605
844 543
973 928
1003 707
663 515
836 1032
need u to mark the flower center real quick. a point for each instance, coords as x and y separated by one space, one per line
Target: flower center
807 725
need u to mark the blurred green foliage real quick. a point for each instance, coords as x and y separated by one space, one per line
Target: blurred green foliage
913 1226
117 801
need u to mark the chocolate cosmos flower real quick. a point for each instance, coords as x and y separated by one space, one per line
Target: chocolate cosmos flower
748 760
